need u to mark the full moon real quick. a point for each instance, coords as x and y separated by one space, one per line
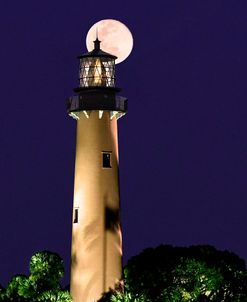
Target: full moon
115 38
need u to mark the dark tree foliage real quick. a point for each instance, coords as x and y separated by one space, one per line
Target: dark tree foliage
46 269
177 274
197 273
2 291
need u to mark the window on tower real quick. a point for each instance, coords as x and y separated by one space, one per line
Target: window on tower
106 159
76 215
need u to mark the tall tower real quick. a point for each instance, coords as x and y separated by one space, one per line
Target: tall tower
96 260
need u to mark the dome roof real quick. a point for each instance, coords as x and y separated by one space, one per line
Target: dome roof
98 52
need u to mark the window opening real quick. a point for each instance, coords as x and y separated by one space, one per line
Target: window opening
76 215
106 159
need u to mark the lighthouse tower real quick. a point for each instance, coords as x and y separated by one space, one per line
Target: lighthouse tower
96 256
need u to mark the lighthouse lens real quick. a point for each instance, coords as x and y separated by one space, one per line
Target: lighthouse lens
97 71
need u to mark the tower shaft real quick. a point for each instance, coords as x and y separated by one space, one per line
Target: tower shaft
96 235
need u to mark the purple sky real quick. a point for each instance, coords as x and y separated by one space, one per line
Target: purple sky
183 150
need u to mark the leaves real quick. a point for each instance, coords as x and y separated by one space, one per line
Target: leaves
193 279
197 273
43 283
126 297
47 267
54 296
17 288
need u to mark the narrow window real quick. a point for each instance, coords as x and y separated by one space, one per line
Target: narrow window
106 159
76 212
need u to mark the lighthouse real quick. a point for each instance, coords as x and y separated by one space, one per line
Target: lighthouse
96 253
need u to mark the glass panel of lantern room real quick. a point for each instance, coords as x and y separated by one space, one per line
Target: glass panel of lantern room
85 64
83 73
99 73
96 71
109 68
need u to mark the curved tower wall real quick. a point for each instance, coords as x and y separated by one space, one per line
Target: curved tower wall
96 259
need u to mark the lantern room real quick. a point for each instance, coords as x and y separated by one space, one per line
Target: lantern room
97 89
97 68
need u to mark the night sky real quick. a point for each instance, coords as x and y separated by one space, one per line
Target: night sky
182 145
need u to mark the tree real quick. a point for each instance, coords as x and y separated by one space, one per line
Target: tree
54 296
125 297
17 288
42 284
46 270
118 295
197 273
2 293
193 281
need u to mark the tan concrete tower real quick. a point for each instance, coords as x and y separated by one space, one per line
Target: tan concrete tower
96 259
